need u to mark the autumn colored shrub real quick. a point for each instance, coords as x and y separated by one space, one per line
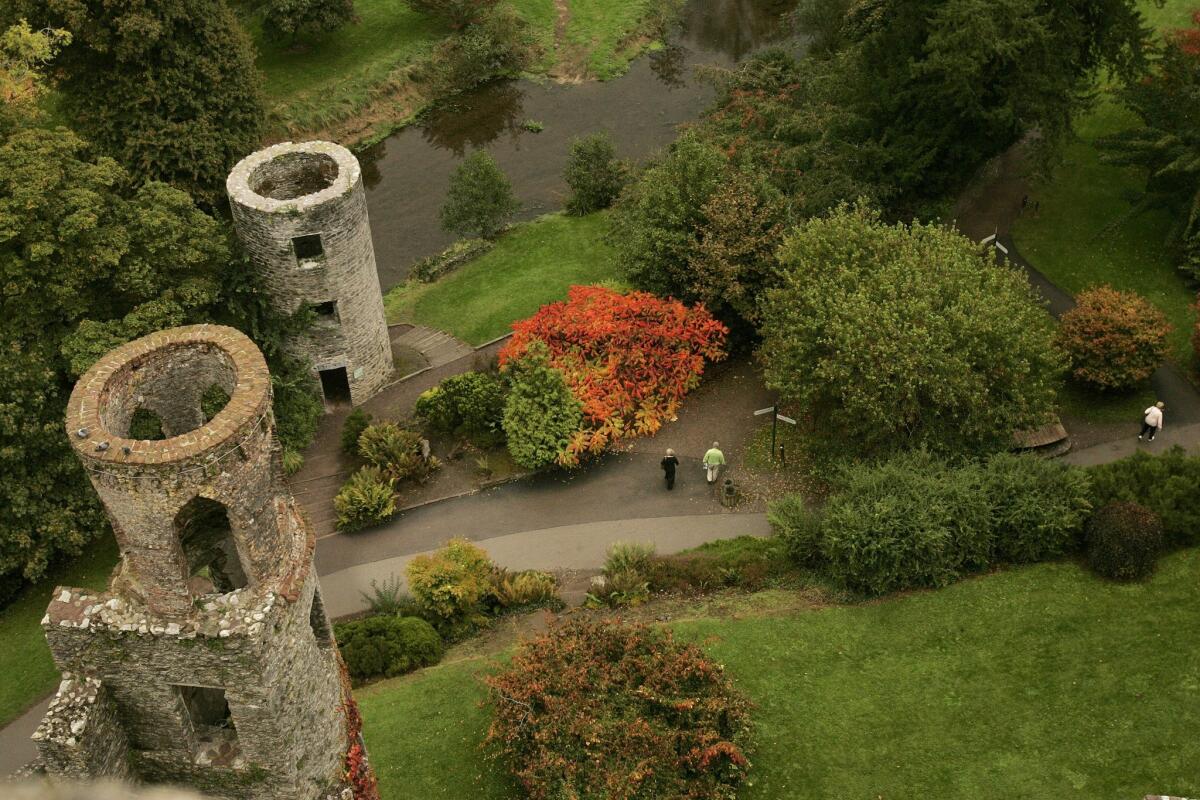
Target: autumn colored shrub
628 358
1124 540
451 585
596 710
1114 340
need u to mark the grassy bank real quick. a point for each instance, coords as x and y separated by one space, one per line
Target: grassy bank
25 662
1038 682
1086 232
533 264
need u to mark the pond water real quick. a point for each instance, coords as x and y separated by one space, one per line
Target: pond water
407 174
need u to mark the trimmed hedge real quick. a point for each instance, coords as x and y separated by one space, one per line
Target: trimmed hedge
1038 507
470 404
1168 485
1124 541
387 646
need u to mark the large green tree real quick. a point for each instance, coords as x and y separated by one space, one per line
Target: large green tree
480 199
1167 145
88 258
888 337
167 88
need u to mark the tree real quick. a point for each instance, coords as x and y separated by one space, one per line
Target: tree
888 337
593 174
500 44
169 89
628 358
480 198
1115 340
695 228
24 54
1167 144
456 13
88 259
290 19
540 414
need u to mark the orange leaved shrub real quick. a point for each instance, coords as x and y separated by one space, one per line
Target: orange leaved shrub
1114 340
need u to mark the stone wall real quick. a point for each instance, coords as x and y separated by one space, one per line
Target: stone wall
290 191
172 678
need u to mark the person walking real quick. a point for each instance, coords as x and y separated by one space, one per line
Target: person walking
714 459
668 464
1152 422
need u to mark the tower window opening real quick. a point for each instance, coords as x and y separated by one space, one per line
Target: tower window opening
308 247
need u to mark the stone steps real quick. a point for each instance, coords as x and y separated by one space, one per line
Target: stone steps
437 347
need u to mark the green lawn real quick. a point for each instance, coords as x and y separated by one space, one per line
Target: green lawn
1085 234
604 27
1033 683
533 264
29 673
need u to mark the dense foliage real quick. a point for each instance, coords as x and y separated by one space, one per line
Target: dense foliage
399 453
597 710
695 228
24 56
1124 541
594 175
386 646
1165 484
500 45
892 336
1167 144
169 89
451 586
1114 340
470 405
541 415
480 198
356 422
456 13
914 520
367 498
291 19
628 358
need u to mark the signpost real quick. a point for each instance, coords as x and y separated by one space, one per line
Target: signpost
775 420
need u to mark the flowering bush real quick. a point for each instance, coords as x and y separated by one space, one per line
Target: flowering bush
628 358
1114 339
605 710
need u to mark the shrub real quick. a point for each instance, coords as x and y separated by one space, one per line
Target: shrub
1124 540
911 521
1166 484
450 586
356 422
387 646
799 528
456 13
890 336
1115 340
501 44
597 710
290 19
428 270
293 462
368 498
1038 506
621 589
527 589
747 562
628 556
540 414
480 198
389 597
628 358
396 452
593 174
471 404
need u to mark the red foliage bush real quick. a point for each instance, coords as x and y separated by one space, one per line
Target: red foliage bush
628 358
606 710
1114 339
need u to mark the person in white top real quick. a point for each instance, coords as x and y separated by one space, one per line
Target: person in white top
1153 421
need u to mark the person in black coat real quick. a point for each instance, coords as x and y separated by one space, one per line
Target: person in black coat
669 463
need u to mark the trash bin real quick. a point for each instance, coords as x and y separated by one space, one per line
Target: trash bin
729 494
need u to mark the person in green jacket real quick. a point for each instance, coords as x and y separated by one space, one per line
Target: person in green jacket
714 459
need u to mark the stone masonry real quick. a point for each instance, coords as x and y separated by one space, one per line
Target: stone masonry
301 212
209 661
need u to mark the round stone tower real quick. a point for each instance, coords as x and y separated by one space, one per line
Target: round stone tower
301 212
209 660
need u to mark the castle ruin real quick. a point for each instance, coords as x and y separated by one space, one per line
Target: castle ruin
209 661
301 213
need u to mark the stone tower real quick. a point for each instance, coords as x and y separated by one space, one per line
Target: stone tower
301 212
208 661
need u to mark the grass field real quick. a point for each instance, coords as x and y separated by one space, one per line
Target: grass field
1085 233
531 265
1033 683
25 662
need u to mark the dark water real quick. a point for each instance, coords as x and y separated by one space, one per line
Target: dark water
406 175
